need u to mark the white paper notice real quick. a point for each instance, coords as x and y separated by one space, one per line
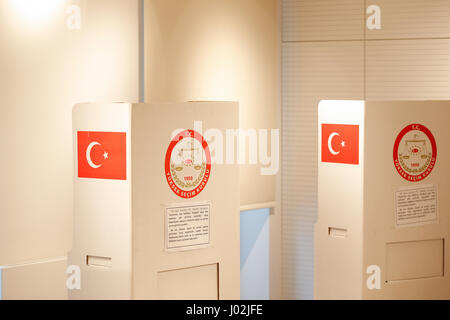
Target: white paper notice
416 206
187 226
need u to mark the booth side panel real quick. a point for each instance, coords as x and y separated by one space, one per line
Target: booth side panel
338 232
102 200
412 252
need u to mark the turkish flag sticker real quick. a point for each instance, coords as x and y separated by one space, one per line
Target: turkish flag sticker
340 143
102 155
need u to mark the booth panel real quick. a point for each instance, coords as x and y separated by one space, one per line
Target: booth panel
415 260
396 228
408 69
198 283
412 19
309 20
153 127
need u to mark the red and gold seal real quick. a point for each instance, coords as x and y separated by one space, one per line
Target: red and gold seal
415 153
188 164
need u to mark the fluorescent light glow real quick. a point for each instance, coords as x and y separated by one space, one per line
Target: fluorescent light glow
36 11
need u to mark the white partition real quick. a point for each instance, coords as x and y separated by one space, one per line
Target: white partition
151 222
383 218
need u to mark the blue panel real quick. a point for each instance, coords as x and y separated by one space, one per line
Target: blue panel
255 255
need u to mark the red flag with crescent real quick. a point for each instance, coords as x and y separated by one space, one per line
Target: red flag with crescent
340 143
102 155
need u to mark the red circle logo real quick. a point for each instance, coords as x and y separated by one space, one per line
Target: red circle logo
188 164
415 153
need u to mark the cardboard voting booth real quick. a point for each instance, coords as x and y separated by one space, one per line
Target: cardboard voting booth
156 210
383 200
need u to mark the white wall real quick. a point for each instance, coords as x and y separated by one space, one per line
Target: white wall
45 70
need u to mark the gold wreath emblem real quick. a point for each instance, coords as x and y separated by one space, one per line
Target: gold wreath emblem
187 185
414 171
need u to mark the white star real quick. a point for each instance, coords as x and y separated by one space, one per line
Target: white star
343 144
106 155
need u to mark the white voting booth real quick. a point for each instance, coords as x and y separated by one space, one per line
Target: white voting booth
155 217
383 196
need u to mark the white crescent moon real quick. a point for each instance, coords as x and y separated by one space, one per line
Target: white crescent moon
88 155
330 139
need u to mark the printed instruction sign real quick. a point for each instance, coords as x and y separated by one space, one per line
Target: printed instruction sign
188 226
416 205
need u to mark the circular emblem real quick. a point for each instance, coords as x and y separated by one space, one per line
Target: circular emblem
415 152
188 164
